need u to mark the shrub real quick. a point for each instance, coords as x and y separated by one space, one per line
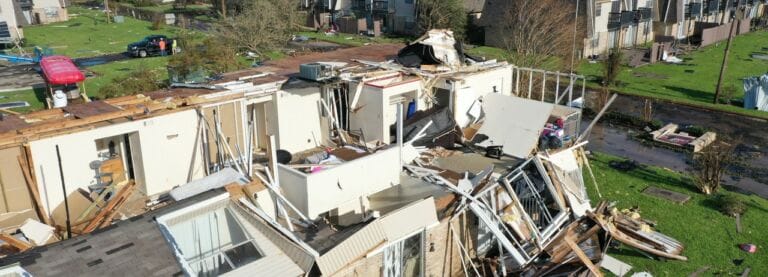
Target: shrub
612 67
731 205
158 23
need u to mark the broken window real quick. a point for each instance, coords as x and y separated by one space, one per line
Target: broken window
537 197
405 258
213 242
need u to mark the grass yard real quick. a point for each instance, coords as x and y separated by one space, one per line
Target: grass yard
35 97
709 236
103 74
87 34
694 81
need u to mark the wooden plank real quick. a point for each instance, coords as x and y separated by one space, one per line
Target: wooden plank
738 223
13 241
103 214
120 204
44 127
583 257
90 109
32 185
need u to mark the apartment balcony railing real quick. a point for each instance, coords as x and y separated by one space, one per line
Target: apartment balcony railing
628 18
374 6
692 10
25 4
614 21
644 14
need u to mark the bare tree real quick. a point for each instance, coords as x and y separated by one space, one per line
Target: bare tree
263 25
534 31
710 164
442 14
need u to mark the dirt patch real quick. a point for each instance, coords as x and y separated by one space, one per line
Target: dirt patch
650 75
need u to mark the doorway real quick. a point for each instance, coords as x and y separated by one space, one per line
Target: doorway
118 158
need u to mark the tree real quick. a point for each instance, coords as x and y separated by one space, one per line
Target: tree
263 25
534 31
612 67
442 14
137 81
710 164
206 58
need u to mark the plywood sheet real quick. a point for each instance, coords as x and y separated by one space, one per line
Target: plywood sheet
514 123
90 109
15 194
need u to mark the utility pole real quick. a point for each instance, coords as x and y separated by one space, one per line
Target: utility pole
719 89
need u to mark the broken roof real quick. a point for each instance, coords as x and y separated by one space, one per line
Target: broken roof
110 251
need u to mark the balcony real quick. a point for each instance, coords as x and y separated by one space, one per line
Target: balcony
25 4
373 6
711 7
644 15
628 18
614 21
693 10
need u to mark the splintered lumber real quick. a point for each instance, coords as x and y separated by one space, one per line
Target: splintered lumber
583 257
13 241
98 201
32 185
106 213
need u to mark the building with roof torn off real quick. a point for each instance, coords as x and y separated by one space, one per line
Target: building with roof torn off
335 164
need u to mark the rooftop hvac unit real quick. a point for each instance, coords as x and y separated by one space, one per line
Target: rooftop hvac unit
315 71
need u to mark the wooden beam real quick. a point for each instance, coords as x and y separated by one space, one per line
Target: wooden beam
583 257
13 241
32 185
103 214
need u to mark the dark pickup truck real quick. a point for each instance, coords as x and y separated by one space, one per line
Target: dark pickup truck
150 46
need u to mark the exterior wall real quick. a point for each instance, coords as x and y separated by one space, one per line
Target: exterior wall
48 11
297 117
326 190
467 89
8 14
167 147
442 261
374 113
50 14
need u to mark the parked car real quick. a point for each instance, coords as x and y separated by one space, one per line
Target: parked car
150 46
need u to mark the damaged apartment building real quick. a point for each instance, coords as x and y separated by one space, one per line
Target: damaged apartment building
343 163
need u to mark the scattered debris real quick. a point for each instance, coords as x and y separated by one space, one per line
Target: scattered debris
748 247
676 197
625 165
615 266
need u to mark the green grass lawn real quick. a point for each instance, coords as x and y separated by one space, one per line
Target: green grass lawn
103 74
87 34
694 81
709 236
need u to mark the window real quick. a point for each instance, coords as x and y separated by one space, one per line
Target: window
405 258
598 9
213 242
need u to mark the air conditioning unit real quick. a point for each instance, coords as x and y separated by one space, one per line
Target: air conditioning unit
316 71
